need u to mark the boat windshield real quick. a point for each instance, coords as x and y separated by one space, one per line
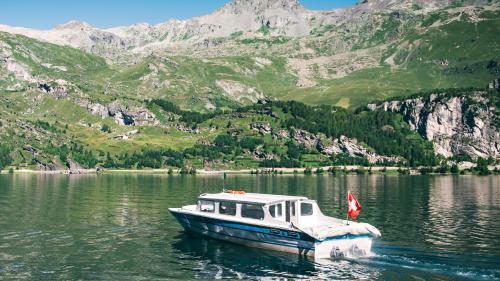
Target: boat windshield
206 206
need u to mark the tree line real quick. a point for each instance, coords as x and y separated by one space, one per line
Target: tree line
5 158
189 117
385 132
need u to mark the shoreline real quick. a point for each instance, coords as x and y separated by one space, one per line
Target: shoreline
349 169
261 171
177 171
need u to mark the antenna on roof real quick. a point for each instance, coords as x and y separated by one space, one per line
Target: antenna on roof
224 182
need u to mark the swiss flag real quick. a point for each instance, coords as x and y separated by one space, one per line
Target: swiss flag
354 206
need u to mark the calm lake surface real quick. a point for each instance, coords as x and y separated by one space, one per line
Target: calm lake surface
117 227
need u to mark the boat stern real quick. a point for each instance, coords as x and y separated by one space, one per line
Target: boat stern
345 240
347 246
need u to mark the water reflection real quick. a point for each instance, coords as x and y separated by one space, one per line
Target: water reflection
217 259
118 227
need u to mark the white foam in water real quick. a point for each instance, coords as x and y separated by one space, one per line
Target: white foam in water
414 264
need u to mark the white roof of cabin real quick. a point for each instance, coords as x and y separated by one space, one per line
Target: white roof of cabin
250 197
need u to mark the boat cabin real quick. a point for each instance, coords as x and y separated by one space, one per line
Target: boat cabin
264 207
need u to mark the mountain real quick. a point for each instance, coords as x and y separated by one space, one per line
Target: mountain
80 89
285 17
402 46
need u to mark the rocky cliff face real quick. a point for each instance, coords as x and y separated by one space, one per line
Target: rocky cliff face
456 124
324 145
283 17
345 145
286 17
123 115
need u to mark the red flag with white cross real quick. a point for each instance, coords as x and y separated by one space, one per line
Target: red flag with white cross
354 206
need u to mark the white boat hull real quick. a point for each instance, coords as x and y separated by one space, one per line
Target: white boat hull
284 240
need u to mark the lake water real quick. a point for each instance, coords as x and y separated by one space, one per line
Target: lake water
117 227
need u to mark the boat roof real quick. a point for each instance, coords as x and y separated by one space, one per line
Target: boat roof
258 198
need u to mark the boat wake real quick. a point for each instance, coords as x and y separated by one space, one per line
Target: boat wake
226 260
394 261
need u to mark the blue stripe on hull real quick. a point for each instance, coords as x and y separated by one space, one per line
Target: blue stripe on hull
223 236
347 237
294 235
242 235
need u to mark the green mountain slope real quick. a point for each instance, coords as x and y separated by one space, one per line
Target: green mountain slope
62 106
348 64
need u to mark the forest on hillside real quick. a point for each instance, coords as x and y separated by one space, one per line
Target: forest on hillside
381 132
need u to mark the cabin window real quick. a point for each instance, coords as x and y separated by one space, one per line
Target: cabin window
306 209
227 208
252 211
276 210
293 209
207 206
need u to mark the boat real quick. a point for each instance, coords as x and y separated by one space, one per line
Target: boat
292 224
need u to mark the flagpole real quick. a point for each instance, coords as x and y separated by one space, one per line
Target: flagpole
347 213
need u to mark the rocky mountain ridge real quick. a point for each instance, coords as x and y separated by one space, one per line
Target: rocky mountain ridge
456 124
285 17
243 18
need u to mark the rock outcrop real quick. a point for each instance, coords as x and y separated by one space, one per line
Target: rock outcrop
74 167
9 65
123 115
45 166
495 84
342 145
456 124
305 138
238 91
59 92
263 128
127 135
353 148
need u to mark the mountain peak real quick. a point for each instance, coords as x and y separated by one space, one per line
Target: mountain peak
74 24
256 6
